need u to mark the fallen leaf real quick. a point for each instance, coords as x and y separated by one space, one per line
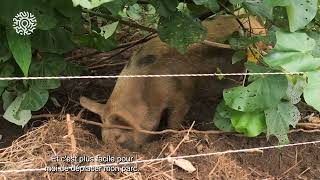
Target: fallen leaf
183 164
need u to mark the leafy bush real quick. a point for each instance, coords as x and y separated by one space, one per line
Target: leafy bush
265 104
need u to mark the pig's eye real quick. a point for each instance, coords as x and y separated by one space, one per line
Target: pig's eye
118 120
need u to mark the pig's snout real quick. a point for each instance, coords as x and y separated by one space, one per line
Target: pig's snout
124 135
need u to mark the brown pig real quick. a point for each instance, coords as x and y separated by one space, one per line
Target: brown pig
141 103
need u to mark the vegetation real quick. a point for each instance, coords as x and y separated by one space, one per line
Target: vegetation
265 103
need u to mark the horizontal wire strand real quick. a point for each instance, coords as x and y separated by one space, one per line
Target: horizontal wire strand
145 76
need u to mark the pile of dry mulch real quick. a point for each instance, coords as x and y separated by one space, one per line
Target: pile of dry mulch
37 148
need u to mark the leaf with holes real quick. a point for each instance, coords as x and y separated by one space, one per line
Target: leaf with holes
295 89
265 92
311 92
20 47
180 31
109 29
280 118
300 13
34 99
222 117
316 49
15 115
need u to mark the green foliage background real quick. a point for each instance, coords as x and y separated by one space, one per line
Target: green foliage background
264 104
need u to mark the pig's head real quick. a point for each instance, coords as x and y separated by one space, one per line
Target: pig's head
113 115
128 107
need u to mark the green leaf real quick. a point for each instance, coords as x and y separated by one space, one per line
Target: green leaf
180 31
255 68
166 7
259 7
222 118
7 98
48 66
89 4
73 70
15 115
293 61
311 91
294 42
238 56
94 40
6 70
45 16
109 29
34 99
66 8
20 47
274 3
293 52
1 90
53 41
235 2
116 7
265 92
135 12
279 119
5 53
211 4
300 13
239 43
249 123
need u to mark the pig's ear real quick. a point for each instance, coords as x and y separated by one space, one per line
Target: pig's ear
91 105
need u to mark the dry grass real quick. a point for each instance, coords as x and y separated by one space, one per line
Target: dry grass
36 148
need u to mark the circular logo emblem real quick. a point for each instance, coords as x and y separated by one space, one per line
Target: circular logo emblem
24 23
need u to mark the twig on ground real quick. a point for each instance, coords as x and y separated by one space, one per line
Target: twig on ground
288 170
218 45
71 135
185 137
217 132
309 125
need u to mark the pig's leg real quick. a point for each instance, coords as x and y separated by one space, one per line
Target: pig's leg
180 109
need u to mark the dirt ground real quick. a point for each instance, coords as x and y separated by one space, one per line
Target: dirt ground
300 162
